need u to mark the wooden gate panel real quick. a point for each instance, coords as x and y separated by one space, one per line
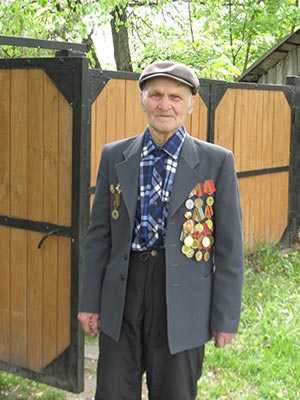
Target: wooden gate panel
135 118
18 296
36 157
35 161
18 144
5 141
264 201
282 131
4 294
63 294
256 126
196 123
35 304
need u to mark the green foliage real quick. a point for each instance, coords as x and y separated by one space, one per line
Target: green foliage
219 39
262 363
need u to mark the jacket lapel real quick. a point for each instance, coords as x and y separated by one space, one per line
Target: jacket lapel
128 175
186 177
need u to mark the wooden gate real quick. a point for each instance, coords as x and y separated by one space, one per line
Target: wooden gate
43 217
254 121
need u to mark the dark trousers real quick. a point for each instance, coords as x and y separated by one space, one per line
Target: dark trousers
143 344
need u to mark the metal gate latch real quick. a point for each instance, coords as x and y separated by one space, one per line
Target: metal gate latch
46 235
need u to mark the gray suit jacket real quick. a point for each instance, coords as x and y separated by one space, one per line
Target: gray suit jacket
201 296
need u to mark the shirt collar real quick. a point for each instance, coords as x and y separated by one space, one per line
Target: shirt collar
172 147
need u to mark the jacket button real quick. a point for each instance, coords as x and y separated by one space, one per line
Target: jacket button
122 276
126 257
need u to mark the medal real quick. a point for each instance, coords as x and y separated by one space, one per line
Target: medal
188 241
115 214
198 203
210 201
116 192
190 253
206 242
187 215
209 224
198 255
189 204
199 228
206 256
195 244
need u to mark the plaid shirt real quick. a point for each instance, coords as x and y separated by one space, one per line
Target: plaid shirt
152 206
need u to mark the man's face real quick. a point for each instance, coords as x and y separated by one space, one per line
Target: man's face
166 103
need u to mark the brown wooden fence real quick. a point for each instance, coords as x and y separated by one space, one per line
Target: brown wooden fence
254 122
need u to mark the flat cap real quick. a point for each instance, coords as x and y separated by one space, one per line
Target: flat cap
173 70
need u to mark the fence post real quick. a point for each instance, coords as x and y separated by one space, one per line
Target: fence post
294 179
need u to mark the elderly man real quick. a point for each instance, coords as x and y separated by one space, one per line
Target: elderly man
164 251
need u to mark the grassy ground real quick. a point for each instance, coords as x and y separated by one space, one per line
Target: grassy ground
262 363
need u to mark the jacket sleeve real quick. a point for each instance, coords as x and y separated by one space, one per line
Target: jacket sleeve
98 242
229 257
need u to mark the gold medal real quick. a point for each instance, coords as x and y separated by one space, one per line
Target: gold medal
115 214
190 253
195 244
188 241
198 256
198 203
184 249
210 201
209 224
199 228
206 242
188 215
206 256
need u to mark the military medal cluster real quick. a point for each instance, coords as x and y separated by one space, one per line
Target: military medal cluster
197 230
116 192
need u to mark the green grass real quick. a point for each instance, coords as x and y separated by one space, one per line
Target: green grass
16 388
264 360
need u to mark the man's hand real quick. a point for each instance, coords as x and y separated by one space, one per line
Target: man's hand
89 323
222 339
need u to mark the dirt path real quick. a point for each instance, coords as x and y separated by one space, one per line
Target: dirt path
90 366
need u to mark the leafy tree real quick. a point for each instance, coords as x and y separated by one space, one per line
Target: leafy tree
219 38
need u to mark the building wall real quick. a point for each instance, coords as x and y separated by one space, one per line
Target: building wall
288 66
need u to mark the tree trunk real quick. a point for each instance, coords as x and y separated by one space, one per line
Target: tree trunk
120 39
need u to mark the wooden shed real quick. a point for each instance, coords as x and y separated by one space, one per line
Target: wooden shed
275 65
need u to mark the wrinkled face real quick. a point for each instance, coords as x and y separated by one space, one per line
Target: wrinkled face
166 103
